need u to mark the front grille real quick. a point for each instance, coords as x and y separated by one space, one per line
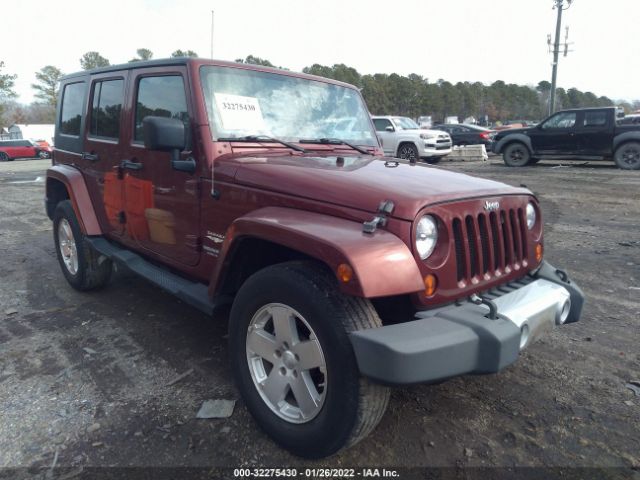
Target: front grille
489 244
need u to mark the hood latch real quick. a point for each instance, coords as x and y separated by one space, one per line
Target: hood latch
385 208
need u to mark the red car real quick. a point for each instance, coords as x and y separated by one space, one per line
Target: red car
12 149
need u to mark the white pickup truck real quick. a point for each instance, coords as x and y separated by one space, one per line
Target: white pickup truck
403 138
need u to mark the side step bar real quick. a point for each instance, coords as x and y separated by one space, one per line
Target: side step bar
194 293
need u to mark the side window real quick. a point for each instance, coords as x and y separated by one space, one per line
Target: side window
71 113
381 124
561 120
106 108
161 97
595 119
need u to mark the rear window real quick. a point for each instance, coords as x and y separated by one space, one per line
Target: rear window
71 112
106 108
595 119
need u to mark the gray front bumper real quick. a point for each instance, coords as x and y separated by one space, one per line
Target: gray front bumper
461 339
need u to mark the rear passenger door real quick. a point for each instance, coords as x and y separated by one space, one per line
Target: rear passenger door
103 149
595 133
162 205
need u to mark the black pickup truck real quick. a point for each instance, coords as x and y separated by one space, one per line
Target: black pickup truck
586 133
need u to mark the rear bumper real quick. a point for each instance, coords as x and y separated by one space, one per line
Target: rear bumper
462 339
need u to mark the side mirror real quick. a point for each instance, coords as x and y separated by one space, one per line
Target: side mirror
167 135
390 129
164 134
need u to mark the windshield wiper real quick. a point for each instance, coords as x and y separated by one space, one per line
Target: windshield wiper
262 139
335 141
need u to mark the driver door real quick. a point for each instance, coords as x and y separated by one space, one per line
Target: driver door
556 135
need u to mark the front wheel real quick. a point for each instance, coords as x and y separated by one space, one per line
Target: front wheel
408 151
43 154
516 155
4 157
627 156
293 361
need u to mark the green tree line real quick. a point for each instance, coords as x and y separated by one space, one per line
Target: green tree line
390 94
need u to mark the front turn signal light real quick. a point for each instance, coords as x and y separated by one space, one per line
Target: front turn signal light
430 285
539 252
345 272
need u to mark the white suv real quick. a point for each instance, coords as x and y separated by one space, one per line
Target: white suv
402 137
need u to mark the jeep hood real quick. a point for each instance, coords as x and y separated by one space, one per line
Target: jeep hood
364 182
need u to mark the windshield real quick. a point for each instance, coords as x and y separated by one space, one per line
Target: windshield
246 102
405 123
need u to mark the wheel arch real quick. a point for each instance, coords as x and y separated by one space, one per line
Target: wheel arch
513 138
66 183
382 264
623 138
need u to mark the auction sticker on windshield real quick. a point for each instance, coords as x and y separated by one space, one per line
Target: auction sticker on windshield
239 113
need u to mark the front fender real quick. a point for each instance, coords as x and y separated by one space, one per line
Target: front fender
513 137
383 265
76 187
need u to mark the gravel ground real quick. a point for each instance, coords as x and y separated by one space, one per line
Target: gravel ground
86 379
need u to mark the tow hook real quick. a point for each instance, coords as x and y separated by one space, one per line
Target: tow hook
493 308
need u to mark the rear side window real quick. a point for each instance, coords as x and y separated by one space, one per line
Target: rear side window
595 119
71 113
160 97
106 108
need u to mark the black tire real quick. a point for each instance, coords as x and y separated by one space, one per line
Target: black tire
432 160
93 270
627 156
43 154
4 157
408 151
516 155
352 406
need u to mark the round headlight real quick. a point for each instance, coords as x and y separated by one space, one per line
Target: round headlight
531 216
426 236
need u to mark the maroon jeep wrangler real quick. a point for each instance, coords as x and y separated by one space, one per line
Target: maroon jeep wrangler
266 190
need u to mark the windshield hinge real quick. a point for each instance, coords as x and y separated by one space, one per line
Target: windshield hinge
385 208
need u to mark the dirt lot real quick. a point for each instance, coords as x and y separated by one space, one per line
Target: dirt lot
85 379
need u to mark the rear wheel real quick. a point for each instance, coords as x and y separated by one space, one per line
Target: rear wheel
293 361
516 155
627 156
408 151
83 268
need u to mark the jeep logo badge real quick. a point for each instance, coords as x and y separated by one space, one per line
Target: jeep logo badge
491 206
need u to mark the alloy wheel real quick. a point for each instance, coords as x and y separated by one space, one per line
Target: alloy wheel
67 245
286 363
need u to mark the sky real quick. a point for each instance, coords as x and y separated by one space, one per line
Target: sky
456 40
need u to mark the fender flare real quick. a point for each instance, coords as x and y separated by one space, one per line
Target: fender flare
76 187
383 265
625 137
513 137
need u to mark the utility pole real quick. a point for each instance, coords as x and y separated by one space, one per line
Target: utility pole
560 5
212 34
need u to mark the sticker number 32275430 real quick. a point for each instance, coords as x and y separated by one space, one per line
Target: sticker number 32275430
238 112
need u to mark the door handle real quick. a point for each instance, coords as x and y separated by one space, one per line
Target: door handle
131 165
92 157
